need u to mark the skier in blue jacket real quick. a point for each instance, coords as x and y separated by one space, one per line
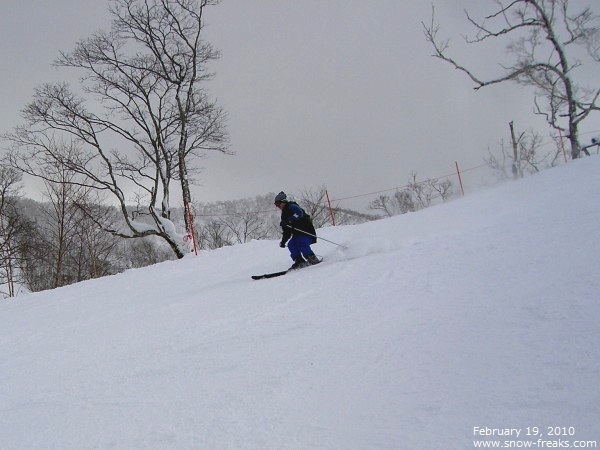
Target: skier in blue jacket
297 225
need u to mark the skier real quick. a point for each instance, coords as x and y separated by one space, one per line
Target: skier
296 223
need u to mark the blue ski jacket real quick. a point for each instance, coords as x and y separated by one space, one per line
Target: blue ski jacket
292 215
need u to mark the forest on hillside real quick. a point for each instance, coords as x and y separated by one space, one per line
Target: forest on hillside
60 241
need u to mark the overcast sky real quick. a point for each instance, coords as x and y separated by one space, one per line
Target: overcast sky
341 93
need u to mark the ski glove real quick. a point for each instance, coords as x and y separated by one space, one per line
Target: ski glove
282 244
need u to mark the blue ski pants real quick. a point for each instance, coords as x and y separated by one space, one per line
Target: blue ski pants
300 245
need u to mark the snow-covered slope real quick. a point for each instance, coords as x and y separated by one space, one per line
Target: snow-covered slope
482 312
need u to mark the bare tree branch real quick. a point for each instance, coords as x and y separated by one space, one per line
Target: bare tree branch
540 33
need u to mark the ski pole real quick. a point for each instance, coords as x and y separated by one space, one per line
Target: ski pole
315 236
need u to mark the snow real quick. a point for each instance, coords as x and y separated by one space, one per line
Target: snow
481 312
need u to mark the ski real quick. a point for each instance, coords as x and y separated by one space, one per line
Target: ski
278 274
269 275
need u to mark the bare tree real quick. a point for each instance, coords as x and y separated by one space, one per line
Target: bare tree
179 57
153 120
68 246
245 226
314 201
63 219
401 202
542 36
524 156
386 204
141 253
14 231
414 196
76 248
404 201
444 189
215 234
93 256
421 191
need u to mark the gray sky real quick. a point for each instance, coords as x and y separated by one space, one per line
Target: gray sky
342 93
